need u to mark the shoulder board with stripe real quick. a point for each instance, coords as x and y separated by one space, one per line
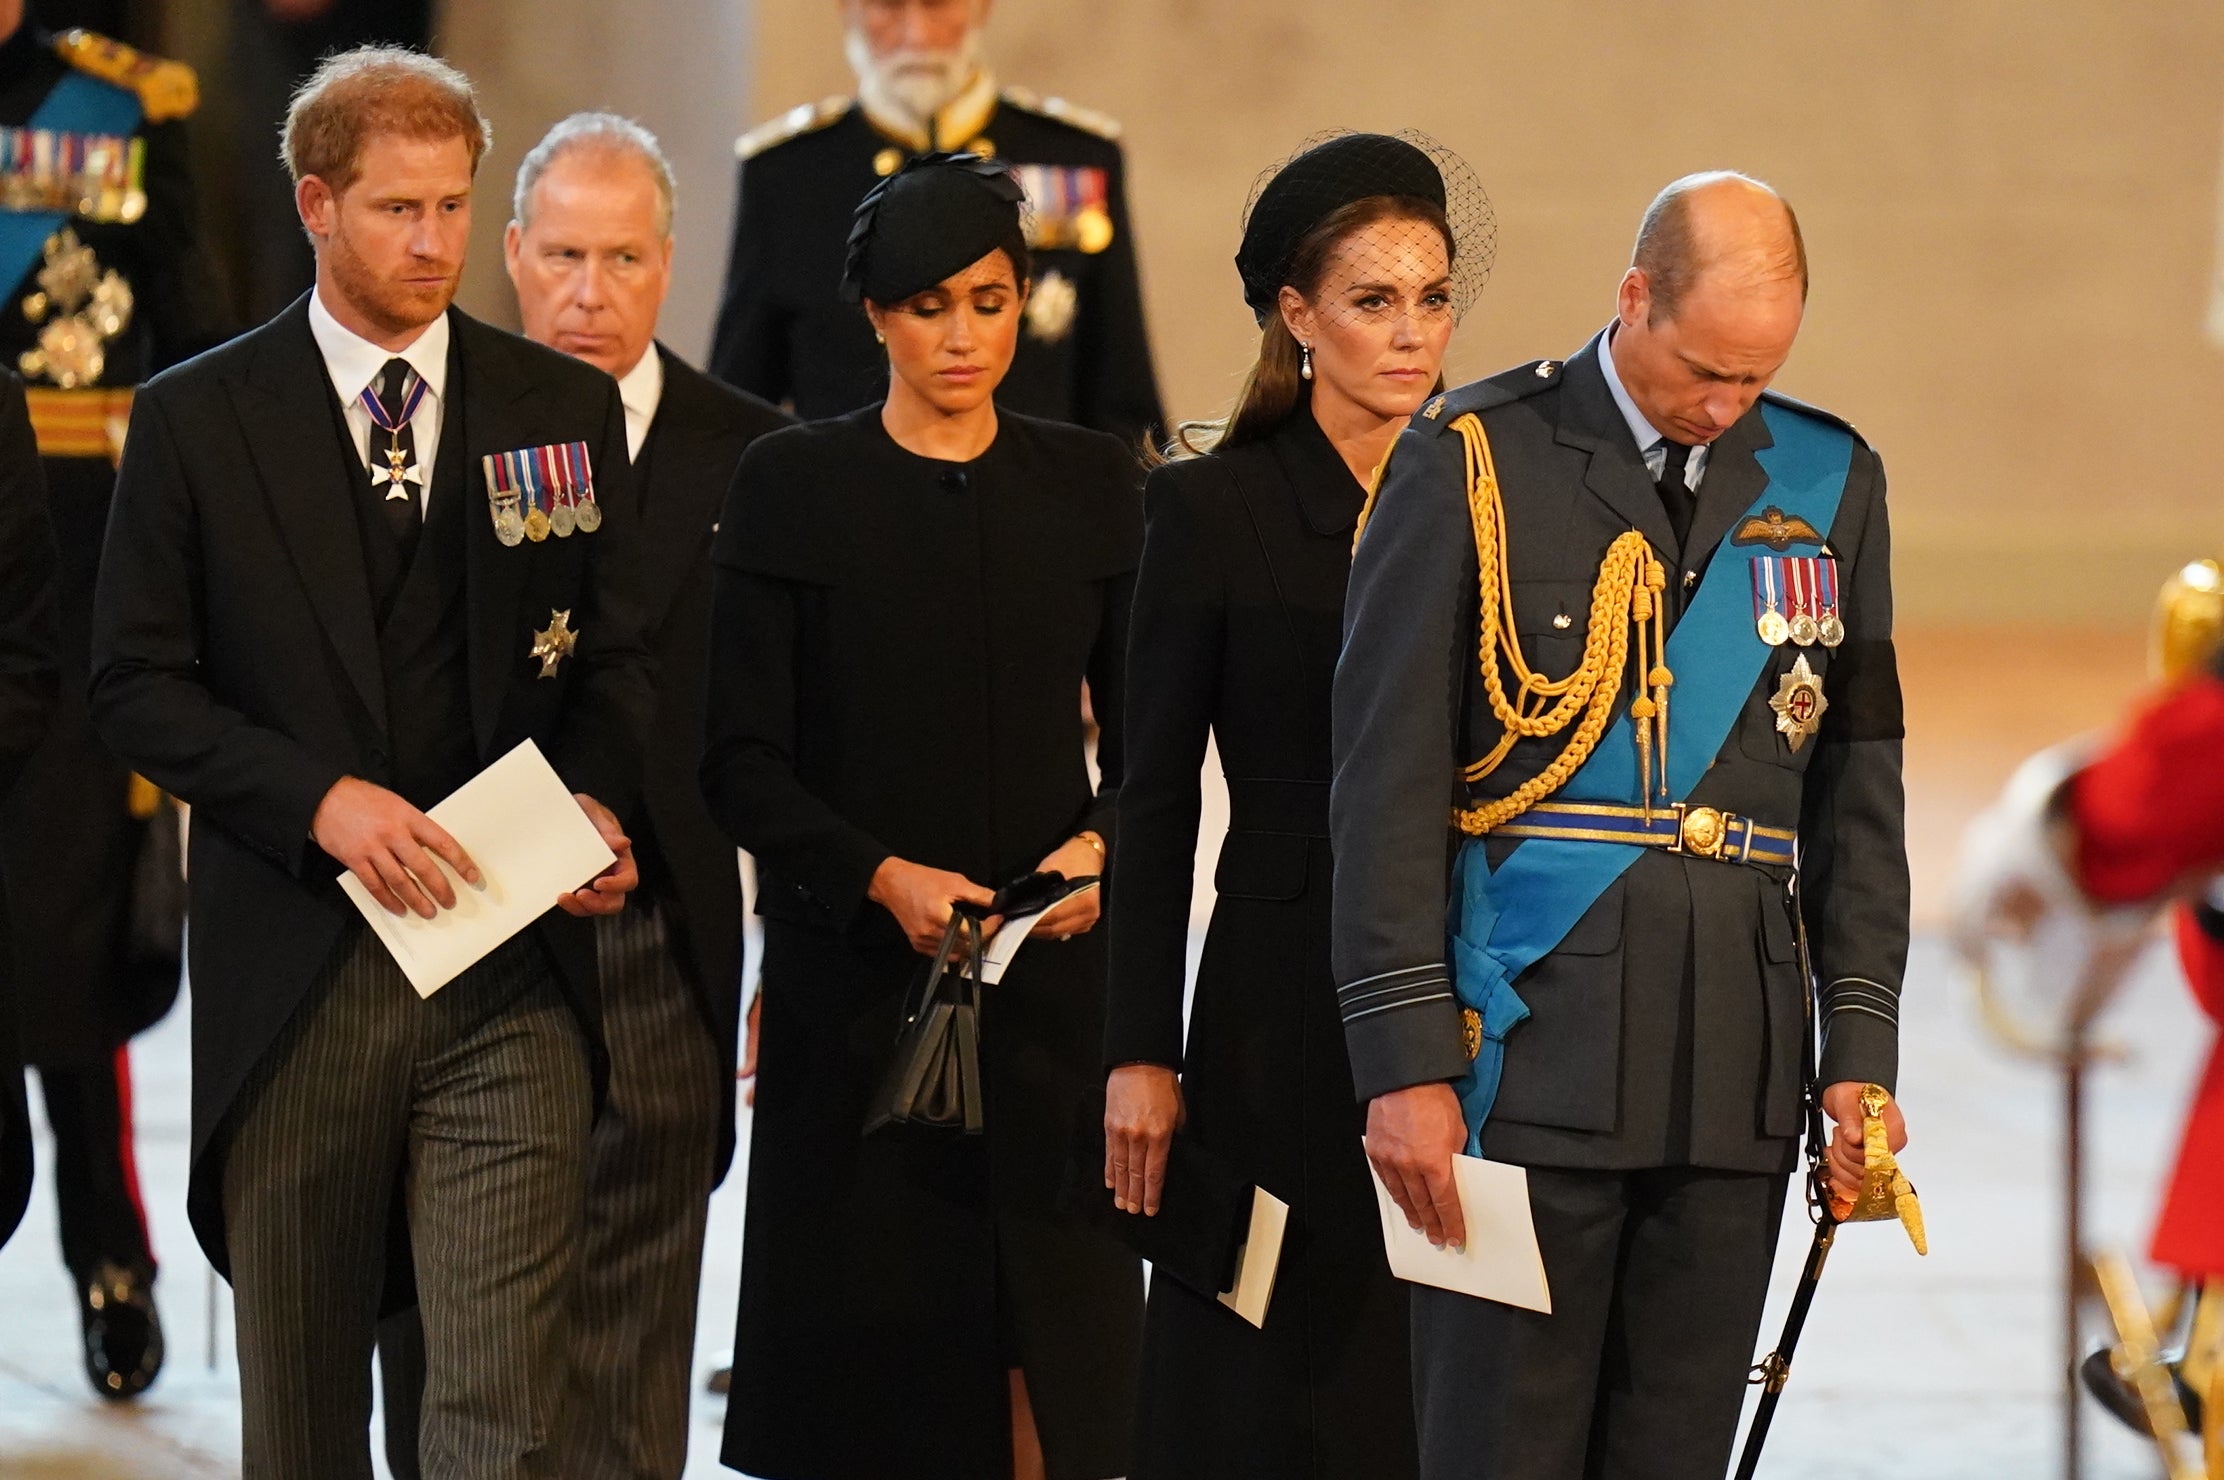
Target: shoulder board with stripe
1793 403
165 89
802 119
1502 389
1088 120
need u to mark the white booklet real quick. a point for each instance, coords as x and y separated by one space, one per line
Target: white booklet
1501 1261
1258 1258
997 952
531 842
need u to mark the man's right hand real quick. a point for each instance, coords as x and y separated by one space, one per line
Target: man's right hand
390 846
920 897
1412 1136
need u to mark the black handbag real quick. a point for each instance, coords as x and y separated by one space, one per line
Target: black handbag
934 1078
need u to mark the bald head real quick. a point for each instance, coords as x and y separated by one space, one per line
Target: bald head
1717 224
1708 310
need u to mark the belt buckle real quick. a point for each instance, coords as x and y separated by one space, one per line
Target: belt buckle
1701 831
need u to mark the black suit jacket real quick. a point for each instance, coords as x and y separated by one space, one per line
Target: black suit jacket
686 464
236 665
1666 1026
28 677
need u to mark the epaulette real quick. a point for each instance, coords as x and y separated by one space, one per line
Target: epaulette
1502 389
1088 120
165 89
803 118
1793 403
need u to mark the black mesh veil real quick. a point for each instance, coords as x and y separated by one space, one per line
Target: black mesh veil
1339 169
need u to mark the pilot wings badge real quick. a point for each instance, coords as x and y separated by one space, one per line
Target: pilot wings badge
1776 529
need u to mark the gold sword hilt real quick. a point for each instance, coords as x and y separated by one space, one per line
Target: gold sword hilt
1885 1191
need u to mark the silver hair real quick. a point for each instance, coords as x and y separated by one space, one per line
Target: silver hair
594 131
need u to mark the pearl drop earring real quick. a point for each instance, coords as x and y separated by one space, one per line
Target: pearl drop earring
1305 363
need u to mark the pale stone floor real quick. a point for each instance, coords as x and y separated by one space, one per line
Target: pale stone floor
1937 1369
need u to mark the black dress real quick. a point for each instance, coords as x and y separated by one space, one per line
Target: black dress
1238 619
897 656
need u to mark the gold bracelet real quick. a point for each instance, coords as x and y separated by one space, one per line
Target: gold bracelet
1093 841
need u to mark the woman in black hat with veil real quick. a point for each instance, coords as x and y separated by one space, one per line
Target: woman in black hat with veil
1358 256
909 600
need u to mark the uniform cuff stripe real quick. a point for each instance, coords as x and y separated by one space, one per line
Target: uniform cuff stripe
1438 996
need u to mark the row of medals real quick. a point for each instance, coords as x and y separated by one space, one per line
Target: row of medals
1776 629
536 524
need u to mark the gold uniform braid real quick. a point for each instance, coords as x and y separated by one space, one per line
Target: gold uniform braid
1626 595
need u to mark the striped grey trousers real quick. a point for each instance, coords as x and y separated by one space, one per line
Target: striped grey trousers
472 1106
649 1165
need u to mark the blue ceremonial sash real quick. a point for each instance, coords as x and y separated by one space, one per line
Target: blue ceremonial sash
1504 921
78 104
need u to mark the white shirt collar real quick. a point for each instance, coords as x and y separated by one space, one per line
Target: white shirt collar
639 390
354 362
1644 431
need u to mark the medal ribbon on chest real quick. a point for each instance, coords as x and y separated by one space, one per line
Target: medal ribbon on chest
534 492
1795 599
97 177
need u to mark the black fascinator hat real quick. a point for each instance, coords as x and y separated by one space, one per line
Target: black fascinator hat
1339 169
936 215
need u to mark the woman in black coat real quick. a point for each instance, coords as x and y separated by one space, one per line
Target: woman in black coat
1356 271
909 599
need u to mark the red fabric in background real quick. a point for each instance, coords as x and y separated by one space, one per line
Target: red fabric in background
2189 1234
2150 809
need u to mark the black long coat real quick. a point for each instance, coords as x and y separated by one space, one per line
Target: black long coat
897 660
686 463
71 841
1238 617
28 680
236 664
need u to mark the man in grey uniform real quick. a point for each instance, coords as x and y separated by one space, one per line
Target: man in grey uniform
1686 683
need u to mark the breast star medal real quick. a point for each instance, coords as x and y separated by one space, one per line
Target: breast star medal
555 643
1799 704
1051 306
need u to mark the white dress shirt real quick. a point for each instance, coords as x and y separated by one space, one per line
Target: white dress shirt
354 363
639 389
1650 441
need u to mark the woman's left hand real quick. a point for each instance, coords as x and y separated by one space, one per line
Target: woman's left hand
1077 858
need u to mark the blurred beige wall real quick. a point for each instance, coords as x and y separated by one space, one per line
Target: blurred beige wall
2011 210
680 67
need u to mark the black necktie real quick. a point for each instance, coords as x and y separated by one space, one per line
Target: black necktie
1675 493
396 482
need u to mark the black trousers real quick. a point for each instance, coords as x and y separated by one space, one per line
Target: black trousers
472 1106
96 1175
1658 1280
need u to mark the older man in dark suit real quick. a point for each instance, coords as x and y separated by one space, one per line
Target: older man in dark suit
590 252
310 626
1702 572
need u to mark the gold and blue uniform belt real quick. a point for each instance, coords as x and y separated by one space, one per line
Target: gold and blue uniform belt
1703 832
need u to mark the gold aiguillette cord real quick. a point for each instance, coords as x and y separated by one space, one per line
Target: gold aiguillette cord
1627 594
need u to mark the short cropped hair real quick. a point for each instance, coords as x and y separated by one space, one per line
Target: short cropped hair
1668 251
357 95
606 131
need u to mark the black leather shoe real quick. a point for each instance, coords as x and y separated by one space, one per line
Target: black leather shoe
2122 1400
123 1335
